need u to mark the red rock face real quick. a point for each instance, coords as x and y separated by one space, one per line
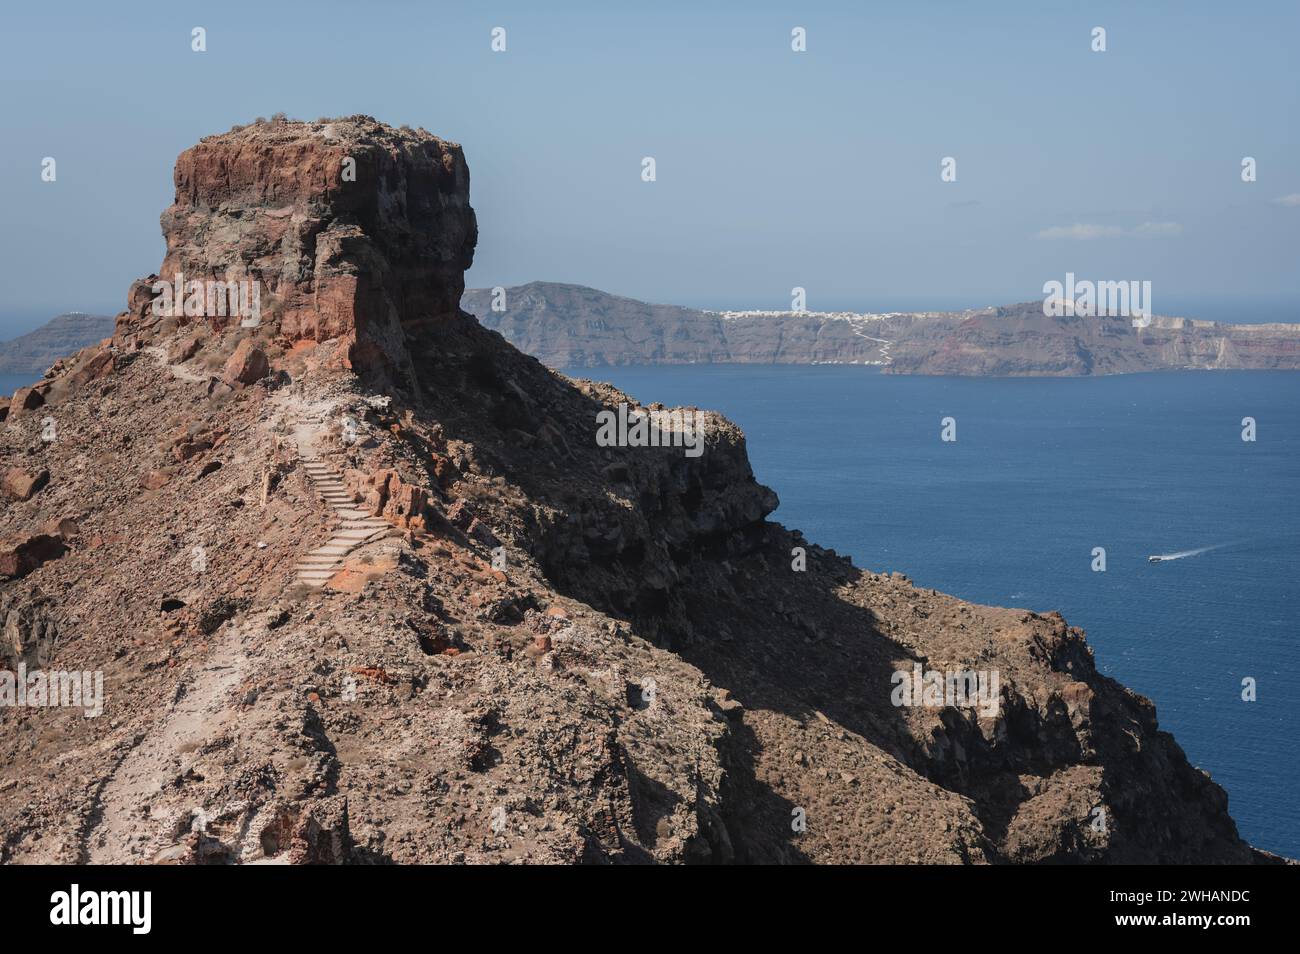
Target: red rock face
354 230
247 365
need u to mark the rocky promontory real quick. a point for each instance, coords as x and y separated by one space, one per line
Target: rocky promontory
363 587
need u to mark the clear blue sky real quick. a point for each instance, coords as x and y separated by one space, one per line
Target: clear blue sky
775 168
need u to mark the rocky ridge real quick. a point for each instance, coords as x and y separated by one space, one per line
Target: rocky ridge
556 652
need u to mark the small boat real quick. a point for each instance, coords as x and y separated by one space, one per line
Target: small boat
1154 559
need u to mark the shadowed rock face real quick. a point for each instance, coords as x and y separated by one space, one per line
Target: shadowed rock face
561 652
354 230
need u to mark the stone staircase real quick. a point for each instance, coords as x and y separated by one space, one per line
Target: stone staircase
357 527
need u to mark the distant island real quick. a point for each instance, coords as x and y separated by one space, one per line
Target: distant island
35 351
573 326
570 326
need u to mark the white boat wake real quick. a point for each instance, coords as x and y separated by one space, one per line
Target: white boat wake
1182 554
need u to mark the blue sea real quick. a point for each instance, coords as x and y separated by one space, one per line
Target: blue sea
1042 472
9 383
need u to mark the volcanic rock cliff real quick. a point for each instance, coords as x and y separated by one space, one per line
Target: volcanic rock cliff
35 351
356 232
569 326
364 588
1021 340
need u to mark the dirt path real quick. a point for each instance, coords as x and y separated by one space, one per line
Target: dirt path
184 374
201 710
124 825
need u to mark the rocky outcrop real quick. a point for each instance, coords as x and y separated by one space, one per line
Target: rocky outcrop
27 399
346 228
22 553
29 629
18 484
570 652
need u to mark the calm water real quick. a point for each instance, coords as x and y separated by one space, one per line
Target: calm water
1042 472
9 383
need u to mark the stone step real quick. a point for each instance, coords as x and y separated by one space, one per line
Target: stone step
356 527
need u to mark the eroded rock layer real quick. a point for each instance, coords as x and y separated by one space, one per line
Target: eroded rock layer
352 230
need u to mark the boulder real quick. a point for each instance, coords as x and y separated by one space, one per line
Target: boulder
247 365
18 484
22 554
26 399
182 349
155 479
97 366
65 528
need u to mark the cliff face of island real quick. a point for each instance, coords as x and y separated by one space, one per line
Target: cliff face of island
364 587
35 351
1020 340
569 326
